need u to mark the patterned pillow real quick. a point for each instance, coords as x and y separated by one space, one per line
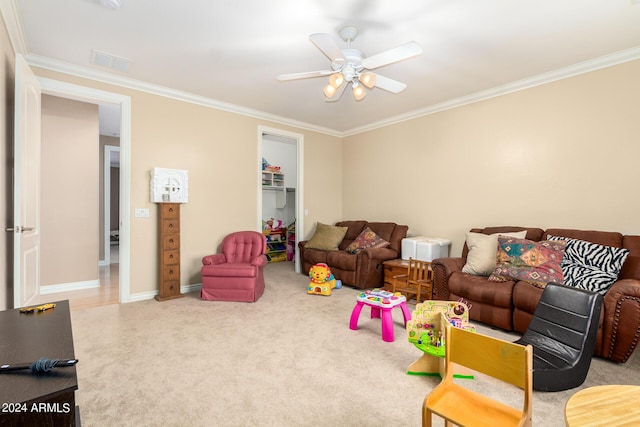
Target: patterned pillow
367 239
535 262
591 266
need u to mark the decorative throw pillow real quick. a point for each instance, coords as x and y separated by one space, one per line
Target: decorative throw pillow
591 266
367 239
326 237
481 259
535 262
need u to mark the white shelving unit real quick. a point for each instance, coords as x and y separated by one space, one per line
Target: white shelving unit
272 180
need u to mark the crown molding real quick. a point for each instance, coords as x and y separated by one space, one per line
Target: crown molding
103 77
12 21
541 79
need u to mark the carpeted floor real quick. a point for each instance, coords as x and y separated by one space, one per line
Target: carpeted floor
289 359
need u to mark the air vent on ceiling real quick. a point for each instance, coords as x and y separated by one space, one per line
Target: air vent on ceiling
111 4
108 60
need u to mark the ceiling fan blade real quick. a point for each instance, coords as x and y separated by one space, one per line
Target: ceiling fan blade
338 95
325 43
388 84
407 50
306 75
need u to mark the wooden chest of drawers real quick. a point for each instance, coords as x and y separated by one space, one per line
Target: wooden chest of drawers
168 251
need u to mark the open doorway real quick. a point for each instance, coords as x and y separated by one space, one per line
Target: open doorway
113 261
280 192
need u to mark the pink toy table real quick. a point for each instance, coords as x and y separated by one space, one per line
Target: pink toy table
381 302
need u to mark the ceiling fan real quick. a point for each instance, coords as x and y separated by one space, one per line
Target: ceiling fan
350 67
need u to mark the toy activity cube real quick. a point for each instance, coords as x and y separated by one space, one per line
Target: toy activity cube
381 303
425 331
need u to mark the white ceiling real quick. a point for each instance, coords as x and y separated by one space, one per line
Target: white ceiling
231 51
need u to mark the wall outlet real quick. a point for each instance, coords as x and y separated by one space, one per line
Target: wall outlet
142 213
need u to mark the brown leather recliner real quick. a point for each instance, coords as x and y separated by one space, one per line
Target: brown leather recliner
510 305
364 269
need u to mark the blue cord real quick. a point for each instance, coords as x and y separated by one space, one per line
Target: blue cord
43 365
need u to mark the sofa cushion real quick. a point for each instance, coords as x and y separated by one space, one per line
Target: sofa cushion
367 239
481 259
341 260
591 266
535 262
354 228
326 237
480 289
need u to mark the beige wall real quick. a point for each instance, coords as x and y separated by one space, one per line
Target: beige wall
219 149
69 191
558 155
7 75
563 154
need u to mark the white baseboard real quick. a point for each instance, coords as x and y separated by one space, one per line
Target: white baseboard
66 287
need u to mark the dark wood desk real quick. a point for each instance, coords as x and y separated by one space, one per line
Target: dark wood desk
45 399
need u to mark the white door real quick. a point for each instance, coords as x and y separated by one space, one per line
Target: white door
26 185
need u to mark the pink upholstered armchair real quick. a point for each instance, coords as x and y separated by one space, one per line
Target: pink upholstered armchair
236 273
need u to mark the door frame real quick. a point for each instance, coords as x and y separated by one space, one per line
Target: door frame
97 96
106 175
299 139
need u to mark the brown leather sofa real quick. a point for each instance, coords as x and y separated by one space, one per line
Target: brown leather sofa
364 269
510 305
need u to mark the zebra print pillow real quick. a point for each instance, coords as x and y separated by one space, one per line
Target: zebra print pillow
589 265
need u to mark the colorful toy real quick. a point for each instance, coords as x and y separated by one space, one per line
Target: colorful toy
381 303
425 331
272 224
322 280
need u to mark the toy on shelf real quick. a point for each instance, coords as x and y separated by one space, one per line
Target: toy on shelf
291 241
275 233
322 280
426 331
272 224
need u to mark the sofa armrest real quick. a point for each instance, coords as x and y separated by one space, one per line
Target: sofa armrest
381 254
214 259
442 269
621 320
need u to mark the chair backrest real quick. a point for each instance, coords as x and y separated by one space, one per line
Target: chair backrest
565 321
563 332
503 360
243 246
418 270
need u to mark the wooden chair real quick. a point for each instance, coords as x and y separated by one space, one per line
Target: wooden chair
417 282
506 361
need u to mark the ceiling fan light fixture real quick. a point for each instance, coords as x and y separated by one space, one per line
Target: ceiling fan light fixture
368 79
329 90
358 92
336 80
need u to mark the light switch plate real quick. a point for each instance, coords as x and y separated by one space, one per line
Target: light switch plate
142 213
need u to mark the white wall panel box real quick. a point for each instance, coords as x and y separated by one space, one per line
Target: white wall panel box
432 248
410 246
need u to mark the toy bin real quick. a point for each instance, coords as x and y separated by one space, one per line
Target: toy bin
432 248
410 247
